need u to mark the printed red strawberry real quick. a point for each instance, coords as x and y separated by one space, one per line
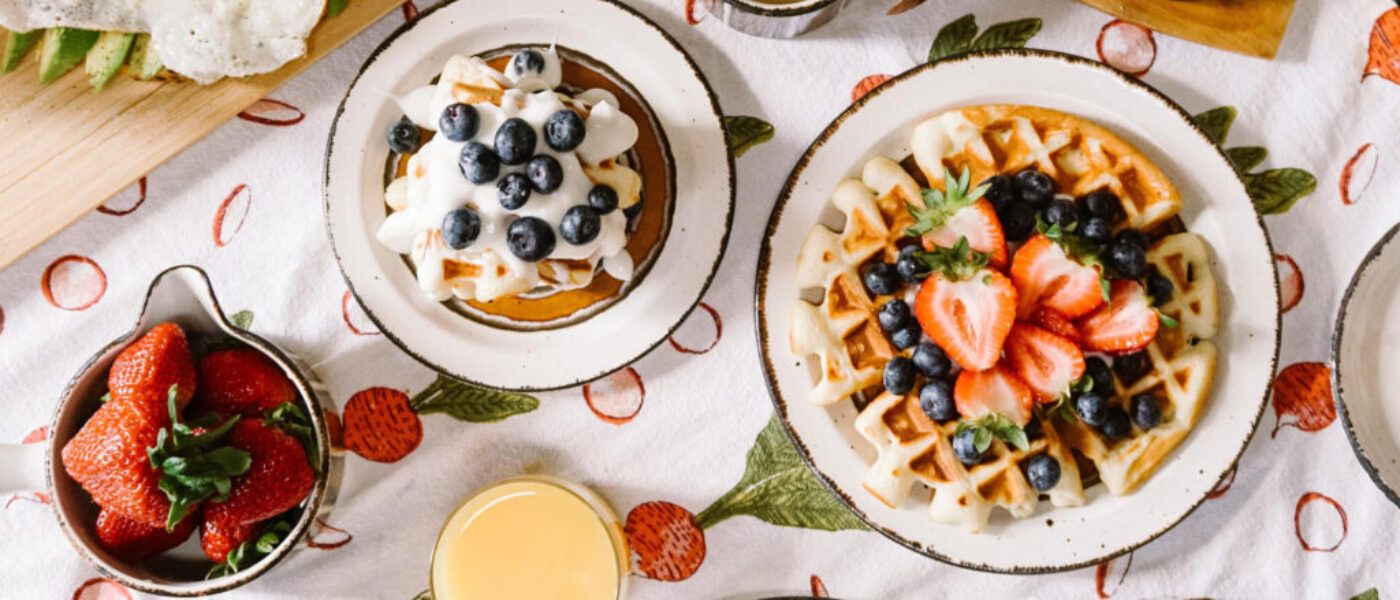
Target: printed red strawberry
1047 363
956 213
241 381
218 538
993 391
1051 320
278 478
1047 276
134 541
146 369
668 543
1126 324
965 307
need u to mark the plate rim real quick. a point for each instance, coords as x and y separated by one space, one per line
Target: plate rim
764 264
403 346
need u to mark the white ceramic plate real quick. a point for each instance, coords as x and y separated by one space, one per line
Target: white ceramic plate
637 51
1364 355
1216 206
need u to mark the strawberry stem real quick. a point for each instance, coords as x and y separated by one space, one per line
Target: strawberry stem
941 205
955 264
191 467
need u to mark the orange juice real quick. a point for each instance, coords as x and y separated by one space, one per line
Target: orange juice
531 538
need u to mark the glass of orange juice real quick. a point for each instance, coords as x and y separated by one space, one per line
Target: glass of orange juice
531 537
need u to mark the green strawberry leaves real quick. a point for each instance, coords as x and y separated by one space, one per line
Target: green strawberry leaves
1273 191
252 551
191 466
961 36
994 425
940 205
958 263
470 403
289 417
746 132
778 488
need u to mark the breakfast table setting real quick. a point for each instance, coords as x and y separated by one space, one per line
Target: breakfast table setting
597 253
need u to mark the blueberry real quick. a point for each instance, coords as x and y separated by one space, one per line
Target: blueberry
564 130
1099 373
1102 204
478 163
1043 471
525 61
936 399
894 315
580 225
403 137
631 212
458 122
1147 412
932 361
1062 213
1132 236
1000 191
907 336
899 375
1126 258
1035 188
909 267
1017 221
1097 229
965 447
1159 288
515 141
603 198
1131 367
530 238
1092 408
882 279
1116 425
545 173
460 227
513 190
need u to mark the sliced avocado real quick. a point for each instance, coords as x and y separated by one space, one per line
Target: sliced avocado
107 56
144 64
63 48
18 44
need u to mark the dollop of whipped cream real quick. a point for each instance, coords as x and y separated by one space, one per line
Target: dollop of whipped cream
434 184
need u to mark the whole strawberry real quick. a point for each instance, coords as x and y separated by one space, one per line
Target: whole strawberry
132 540
146 369
241 381
279 476
218 538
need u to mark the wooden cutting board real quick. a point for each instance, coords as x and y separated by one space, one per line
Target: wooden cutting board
64 148
1249 27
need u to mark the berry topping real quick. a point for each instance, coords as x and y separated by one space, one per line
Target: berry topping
478 163
1047 276
965 447
1051 320
1126 258
1100 374
1017 221
994 391
899 375
603 198
882 279
545 173
1134 237
459 122
1091 408
932 362
1063 213
513 190
1125 324
1116 425
403 137
1131 367
530 238
460 227
527 61
907 337
965 307
1146 411
1043 472
1102 204
909 267
515 141
1159 288
936 400
1097 230
564 130
1001 192
1035 188
580 225
1046 362
894 315
956 213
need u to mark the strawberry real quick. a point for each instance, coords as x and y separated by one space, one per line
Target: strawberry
241 381
218 538
1045 275
132 540
1045 362
278 478
965 307
1050 320
669 544
1125 325
146 369
993 391
955 213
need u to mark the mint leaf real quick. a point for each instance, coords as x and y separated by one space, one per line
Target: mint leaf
466 402
746 132
953 38
1011 34
1215 123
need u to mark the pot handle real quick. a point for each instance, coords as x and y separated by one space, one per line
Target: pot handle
21 467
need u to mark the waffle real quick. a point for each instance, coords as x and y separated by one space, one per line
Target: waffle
1183 367
1080 156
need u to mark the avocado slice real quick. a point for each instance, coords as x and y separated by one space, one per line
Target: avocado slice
144 64
107 56
17 44
63 48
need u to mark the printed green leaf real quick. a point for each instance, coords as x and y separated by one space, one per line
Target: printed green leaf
1371 594
778 488
1245 158
954 38
746 132
335 7
466 402
424 595
1011 34
1274 191
242 319
1215 123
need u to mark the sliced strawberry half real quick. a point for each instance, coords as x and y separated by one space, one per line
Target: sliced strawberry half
995 390
1126 324
1045 362
1046 276
1051 320
957 212
965 307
